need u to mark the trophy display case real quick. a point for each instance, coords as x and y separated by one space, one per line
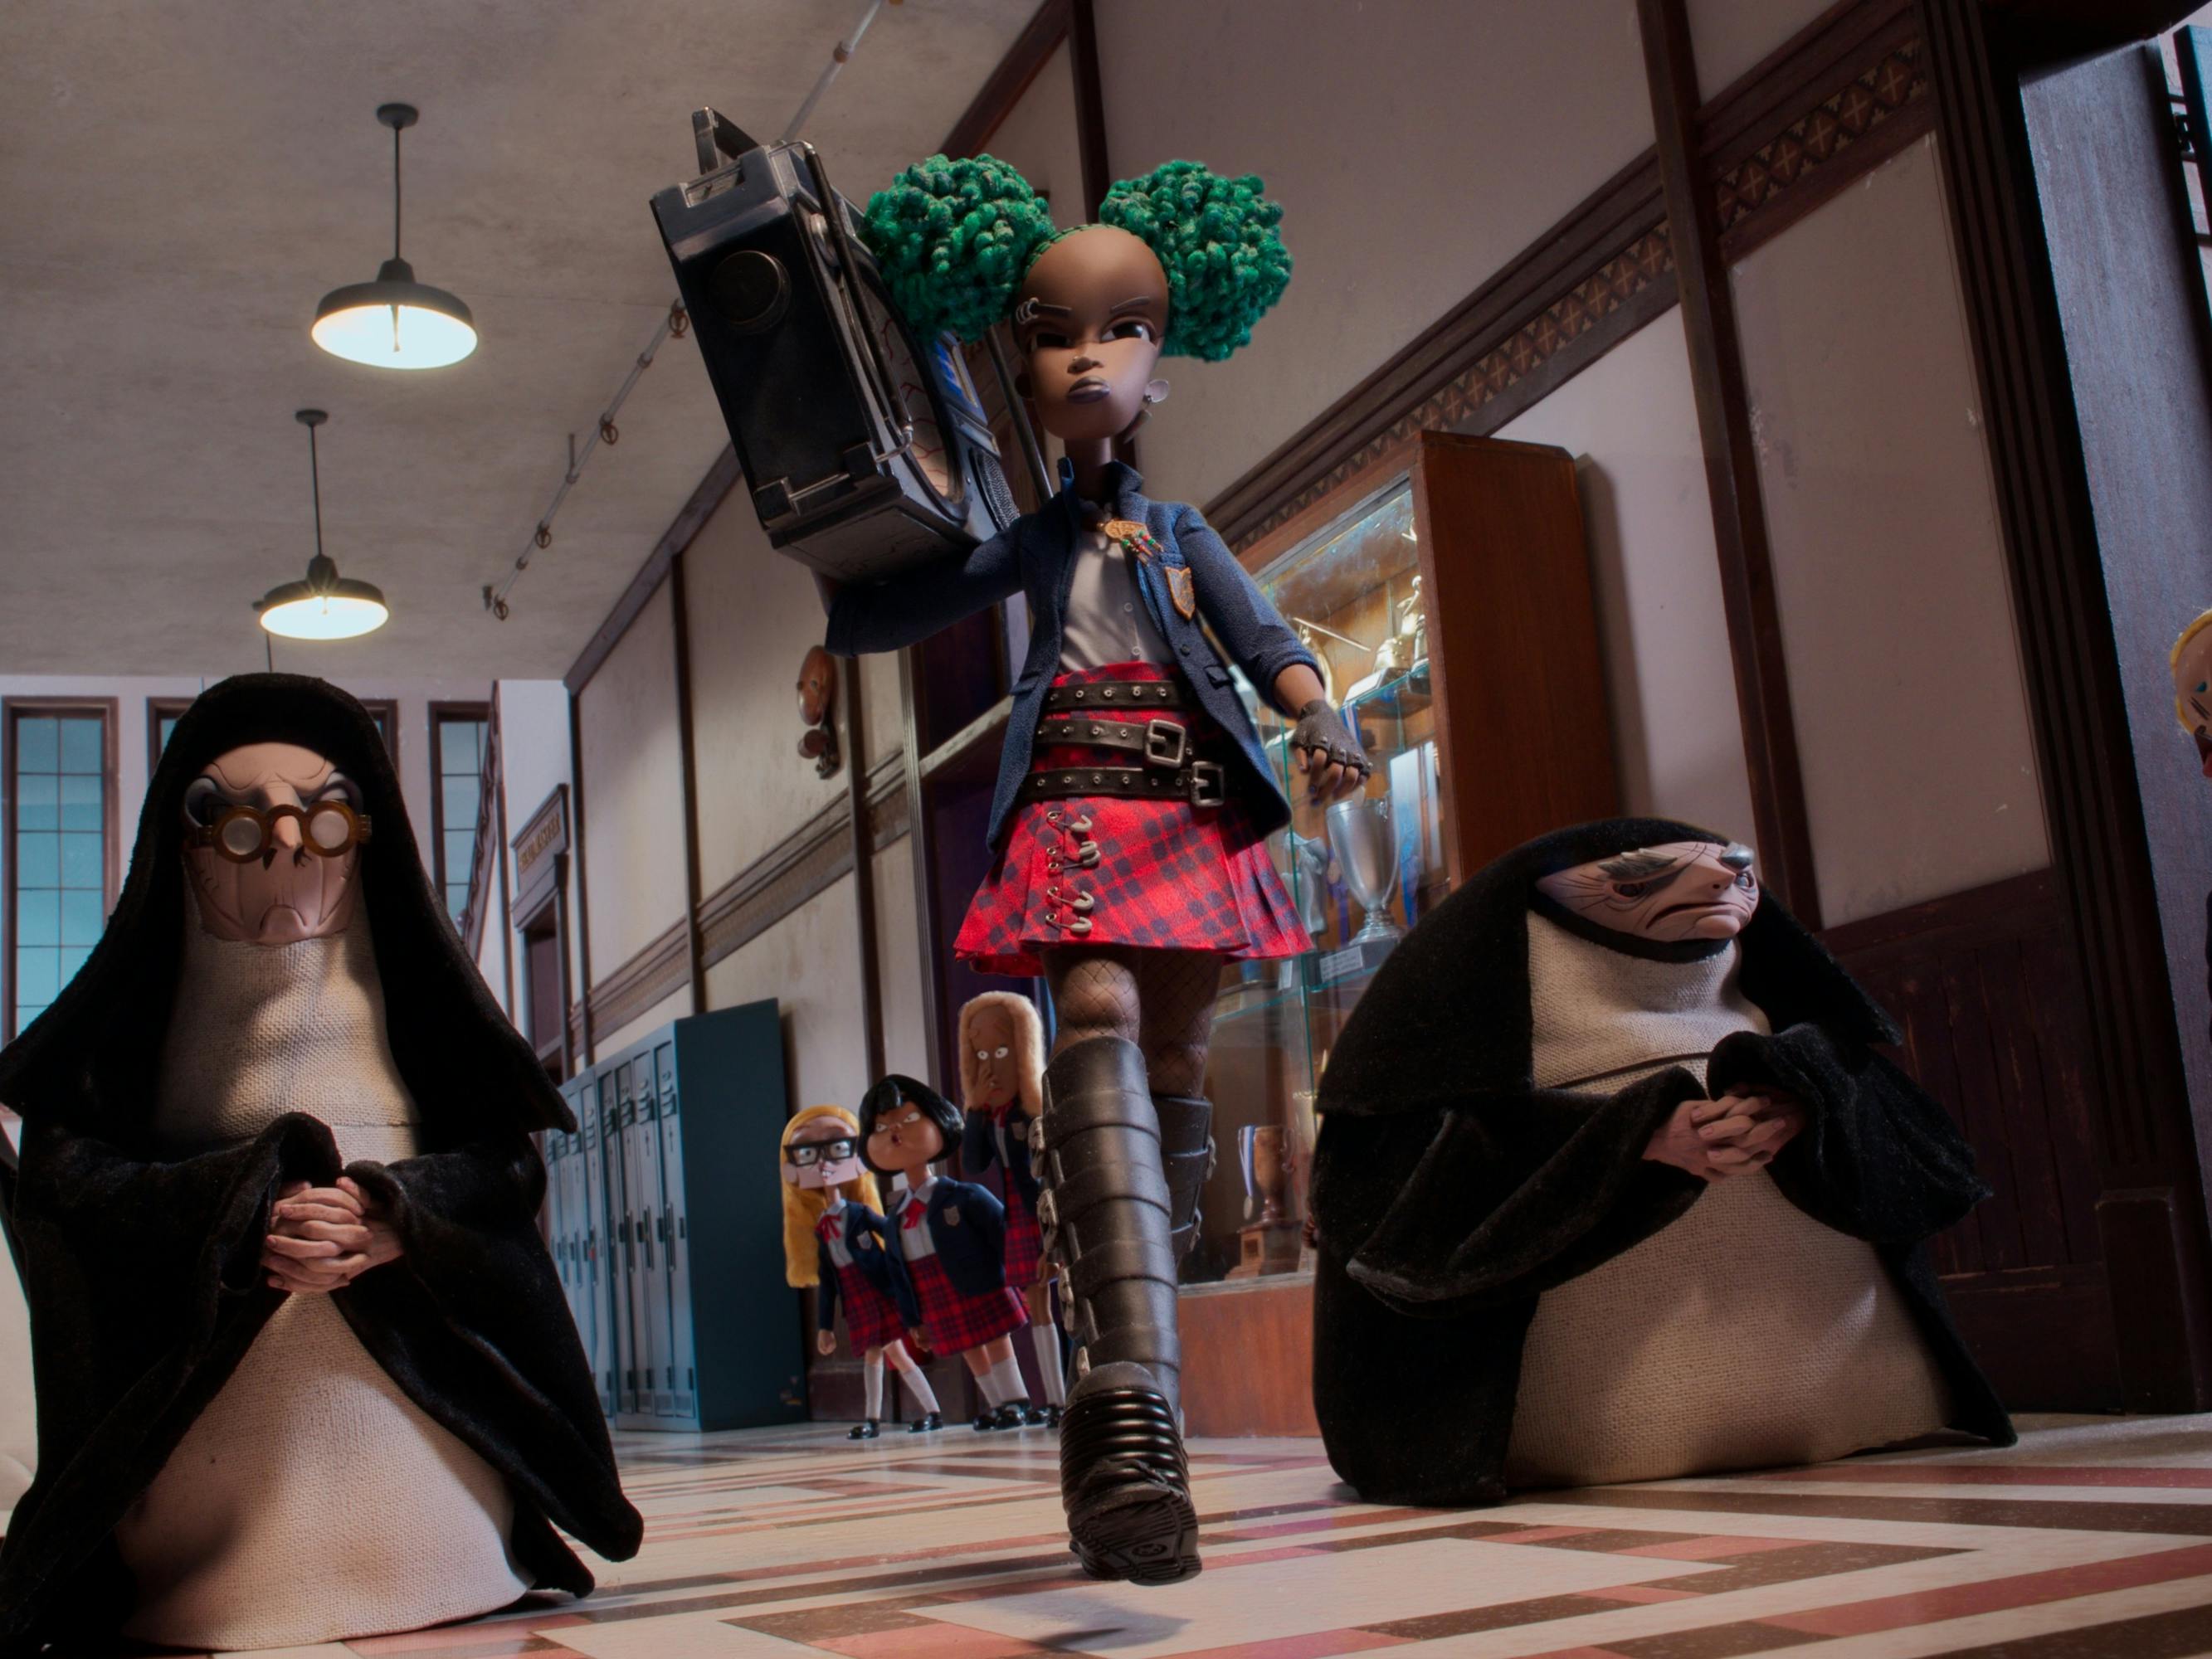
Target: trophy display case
1446 592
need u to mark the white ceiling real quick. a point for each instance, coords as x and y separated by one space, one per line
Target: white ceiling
180 183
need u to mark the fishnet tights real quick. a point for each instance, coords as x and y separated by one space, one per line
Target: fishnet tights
1161 1000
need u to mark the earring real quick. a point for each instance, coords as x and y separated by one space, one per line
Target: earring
1156 392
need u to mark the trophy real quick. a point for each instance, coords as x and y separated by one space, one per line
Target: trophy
1310 857
1270 1244
1359 830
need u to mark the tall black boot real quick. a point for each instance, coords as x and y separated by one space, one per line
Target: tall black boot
1186 1156
1106 1212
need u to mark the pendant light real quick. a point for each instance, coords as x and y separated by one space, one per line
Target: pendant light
395 322
326 605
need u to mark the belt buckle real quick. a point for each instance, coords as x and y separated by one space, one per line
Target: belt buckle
1167 743
1209 784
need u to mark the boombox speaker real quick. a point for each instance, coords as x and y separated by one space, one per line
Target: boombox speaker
866 451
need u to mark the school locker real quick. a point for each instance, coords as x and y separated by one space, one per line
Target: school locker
678 1289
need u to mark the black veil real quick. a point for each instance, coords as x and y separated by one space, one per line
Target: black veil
89 1060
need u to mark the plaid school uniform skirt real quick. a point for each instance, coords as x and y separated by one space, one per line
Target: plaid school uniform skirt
1025 1250
1169 876
952 1322
871 1317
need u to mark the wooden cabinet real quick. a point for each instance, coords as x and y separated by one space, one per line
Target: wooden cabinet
678 1291
1446 591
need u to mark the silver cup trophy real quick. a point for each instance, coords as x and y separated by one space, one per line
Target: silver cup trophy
1366 851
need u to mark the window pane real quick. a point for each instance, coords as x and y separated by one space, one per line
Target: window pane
37 797
38 745
83 917
72 958
457 803
38 861
82 861
80 803
38 974
457 747
168 727
26 1012
460 848
457 900
38 918
81 746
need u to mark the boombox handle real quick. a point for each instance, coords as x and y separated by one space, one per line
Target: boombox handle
719 139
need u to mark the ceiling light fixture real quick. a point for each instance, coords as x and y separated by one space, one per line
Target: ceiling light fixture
326 605
395 322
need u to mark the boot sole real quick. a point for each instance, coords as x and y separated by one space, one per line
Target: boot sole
1140 1534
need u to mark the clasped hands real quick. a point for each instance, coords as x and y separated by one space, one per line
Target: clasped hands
322 1238
1737 1134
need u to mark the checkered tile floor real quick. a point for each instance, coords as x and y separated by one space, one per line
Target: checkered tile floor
2093 1537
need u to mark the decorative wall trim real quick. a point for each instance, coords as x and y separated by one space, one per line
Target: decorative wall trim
1844 96
655 974
805 863
1032 49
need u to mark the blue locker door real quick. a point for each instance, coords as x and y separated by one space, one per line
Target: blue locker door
599 1256
619 1111
574 1232
683 1356
654 1391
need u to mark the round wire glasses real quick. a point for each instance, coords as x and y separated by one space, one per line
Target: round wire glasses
243 834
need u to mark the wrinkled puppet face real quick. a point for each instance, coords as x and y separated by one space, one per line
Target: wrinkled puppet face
834 1149
2192 693
1091 314
1676 891
289 893
989 1035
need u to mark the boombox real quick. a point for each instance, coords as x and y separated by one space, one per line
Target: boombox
867 450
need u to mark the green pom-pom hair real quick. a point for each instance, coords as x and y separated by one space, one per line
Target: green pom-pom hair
955 239
1217 241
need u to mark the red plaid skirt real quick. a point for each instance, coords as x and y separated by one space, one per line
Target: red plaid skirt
953 1323
1024 1240
1169 877
870 1317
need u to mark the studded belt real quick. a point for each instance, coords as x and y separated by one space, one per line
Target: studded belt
1162 742
1117 693
1203 783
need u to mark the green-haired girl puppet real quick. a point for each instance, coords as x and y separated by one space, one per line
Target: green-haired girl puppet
1132 795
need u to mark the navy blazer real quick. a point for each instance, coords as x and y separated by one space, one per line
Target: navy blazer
880 1266
1036 555
1001 1137
968 1226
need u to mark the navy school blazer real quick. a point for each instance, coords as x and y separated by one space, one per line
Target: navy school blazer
1000 1138
1036 555
880 1266
967 1225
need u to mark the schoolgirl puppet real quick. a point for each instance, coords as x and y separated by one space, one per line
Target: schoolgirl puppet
1132 792
950 1235
834 1244
305 1370
1001 1092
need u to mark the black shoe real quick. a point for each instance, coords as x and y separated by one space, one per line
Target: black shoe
1052 1416
1108 1213
1014 1414
928 1423
866 1431
1034 1417
1127 1485
986 1421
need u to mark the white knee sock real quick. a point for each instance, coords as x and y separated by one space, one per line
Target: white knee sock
917 1385
986 1383
871 1373
1045 1339
1008 1375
